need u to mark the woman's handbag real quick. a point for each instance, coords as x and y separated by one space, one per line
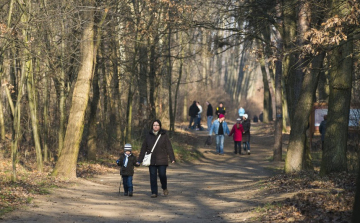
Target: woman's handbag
147 158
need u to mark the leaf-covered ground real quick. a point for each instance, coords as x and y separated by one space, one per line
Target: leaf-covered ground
316 199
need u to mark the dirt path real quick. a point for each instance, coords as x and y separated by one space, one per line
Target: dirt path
214 189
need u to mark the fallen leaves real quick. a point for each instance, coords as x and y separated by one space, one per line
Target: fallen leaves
318 199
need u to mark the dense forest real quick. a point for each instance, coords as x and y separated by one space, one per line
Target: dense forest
85 76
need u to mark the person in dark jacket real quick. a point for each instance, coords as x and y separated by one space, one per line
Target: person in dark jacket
193 113
246 134
220 110
127 161
159 158
209 115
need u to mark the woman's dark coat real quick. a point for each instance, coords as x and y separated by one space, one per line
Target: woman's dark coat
246 135
129 169
163 149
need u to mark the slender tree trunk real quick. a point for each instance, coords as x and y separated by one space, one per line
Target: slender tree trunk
267 106
92 137
279 116
129 113
33 115
66 165
46 116
169 78
278 91
62 95
2 123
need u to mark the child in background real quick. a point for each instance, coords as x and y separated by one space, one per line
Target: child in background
237 130
127 161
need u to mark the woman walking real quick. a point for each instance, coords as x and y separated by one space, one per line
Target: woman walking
159 158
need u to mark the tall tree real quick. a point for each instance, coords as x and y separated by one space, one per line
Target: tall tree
340 84
66 165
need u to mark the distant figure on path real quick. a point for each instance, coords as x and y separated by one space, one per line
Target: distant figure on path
209 115
261 117
198 120
193 113
220 110
322 130
241 112
246 134
220 128
237 130
163 151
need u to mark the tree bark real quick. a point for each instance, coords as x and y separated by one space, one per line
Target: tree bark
66 165
296 147
267 106
33 115
341 61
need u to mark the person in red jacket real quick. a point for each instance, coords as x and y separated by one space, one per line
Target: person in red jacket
237 130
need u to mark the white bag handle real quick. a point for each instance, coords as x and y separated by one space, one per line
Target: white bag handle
155 143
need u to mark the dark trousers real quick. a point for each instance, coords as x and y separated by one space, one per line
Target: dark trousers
192 119
237 144
127 182
154 170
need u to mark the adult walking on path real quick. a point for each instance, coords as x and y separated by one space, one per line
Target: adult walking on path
198 120
193 112
237 130
209 115
159 158
220 128
246 134
220 110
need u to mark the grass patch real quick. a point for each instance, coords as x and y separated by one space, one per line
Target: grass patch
268 206
184 154
4 210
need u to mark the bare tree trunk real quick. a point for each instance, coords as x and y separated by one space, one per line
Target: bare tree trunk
267 106
66 165
62 95
278 93
33 115
169 78
2 123
279 116
335 143
46 116
92 137
296 148
341 60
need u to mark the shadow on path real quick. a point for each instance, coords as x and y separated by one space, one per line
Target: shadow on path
213 189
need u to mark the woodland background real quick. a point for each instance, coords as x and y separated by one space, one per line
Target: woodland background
80 78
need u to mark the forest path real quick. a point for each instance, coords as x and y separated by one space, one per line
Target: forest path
213 189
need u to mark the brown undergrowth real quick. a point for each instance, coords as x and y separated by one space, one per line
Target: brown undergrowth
316 199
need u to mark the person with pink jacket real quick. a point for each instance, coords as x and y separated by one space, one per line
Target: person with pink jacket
237 131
